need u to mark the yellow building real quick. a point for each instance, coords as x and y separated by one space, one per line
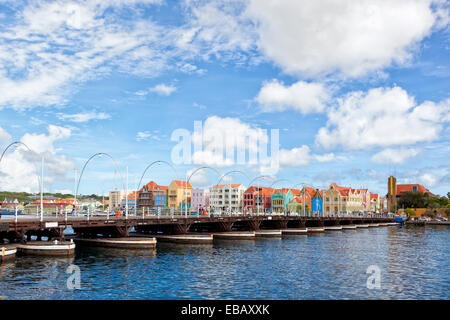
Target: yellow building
176 194
345 200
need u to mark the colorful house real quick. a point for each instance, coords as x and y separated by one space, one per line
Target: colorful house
177 192
281 198
151 196
317 203
257 199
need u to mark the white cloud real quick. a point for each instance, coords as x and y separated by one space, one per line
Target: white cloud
382 117
220 134
201 178
146 135
163 90
301 96
84 116
20 167
217 29
319 37
394 156
428 179
4 135
44 143
54 46
301 156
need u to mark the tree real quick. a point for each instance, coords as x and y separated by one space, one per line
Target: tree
410 212
411 199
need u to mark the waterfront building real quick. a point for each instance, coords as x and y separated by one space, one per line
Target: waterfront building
281 198
132 201
115 198
177 192
200 199
257 199
152 196
317 202
374 203
335 200
411 188
227 197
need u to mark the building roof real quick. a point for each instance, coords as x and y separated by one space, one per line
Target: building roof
223 185
182 184
266 191
373 196
409 187
153 186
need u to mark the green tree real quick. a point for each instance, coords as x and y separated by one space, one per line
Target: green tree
411 199
410 212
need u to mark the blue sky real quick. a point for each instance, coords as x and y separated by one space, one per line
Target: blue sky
357 91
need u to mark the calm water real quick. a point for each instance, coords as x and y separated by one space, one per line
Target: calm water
414 264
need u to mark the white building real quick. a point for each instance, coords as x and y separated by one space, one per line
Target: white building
115 198
226 198
199 199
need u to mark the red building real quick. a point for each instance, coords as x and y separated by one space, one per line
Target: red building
257 197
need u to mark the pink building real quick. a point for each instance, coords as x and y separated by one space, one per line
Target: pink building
199 199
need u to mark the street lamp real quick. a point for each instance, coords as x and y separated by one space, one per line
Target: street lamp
100 154
157 162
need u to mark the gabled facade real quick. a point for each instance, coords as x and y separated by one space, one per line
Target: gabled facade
152 196
257 199
280 200
177 192
317 203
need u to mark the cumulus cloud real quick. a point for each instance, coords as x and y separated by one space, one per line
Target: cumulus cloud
20 167
301 96
301 156
394 156
382 117
84 116
4 135
222 135
428 179
316 38
163 90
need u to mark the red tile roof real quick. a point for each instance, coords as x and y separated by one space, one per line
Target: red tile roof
222 185
409 187
182 184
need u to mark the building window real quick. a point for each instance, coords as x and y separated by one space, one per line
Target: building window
414 188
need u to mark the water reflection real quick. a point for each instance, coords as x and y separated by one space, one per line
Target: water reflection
413 263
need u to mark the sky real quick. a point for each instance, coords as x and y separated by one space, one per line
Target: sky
355 90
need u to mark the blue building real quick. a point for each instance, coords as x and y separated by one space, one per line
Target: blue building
159 199
317 203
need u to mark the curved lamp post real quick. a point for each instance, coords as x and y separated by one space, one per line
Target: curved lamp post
21 144
148 167
40 182
187 181
100 154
